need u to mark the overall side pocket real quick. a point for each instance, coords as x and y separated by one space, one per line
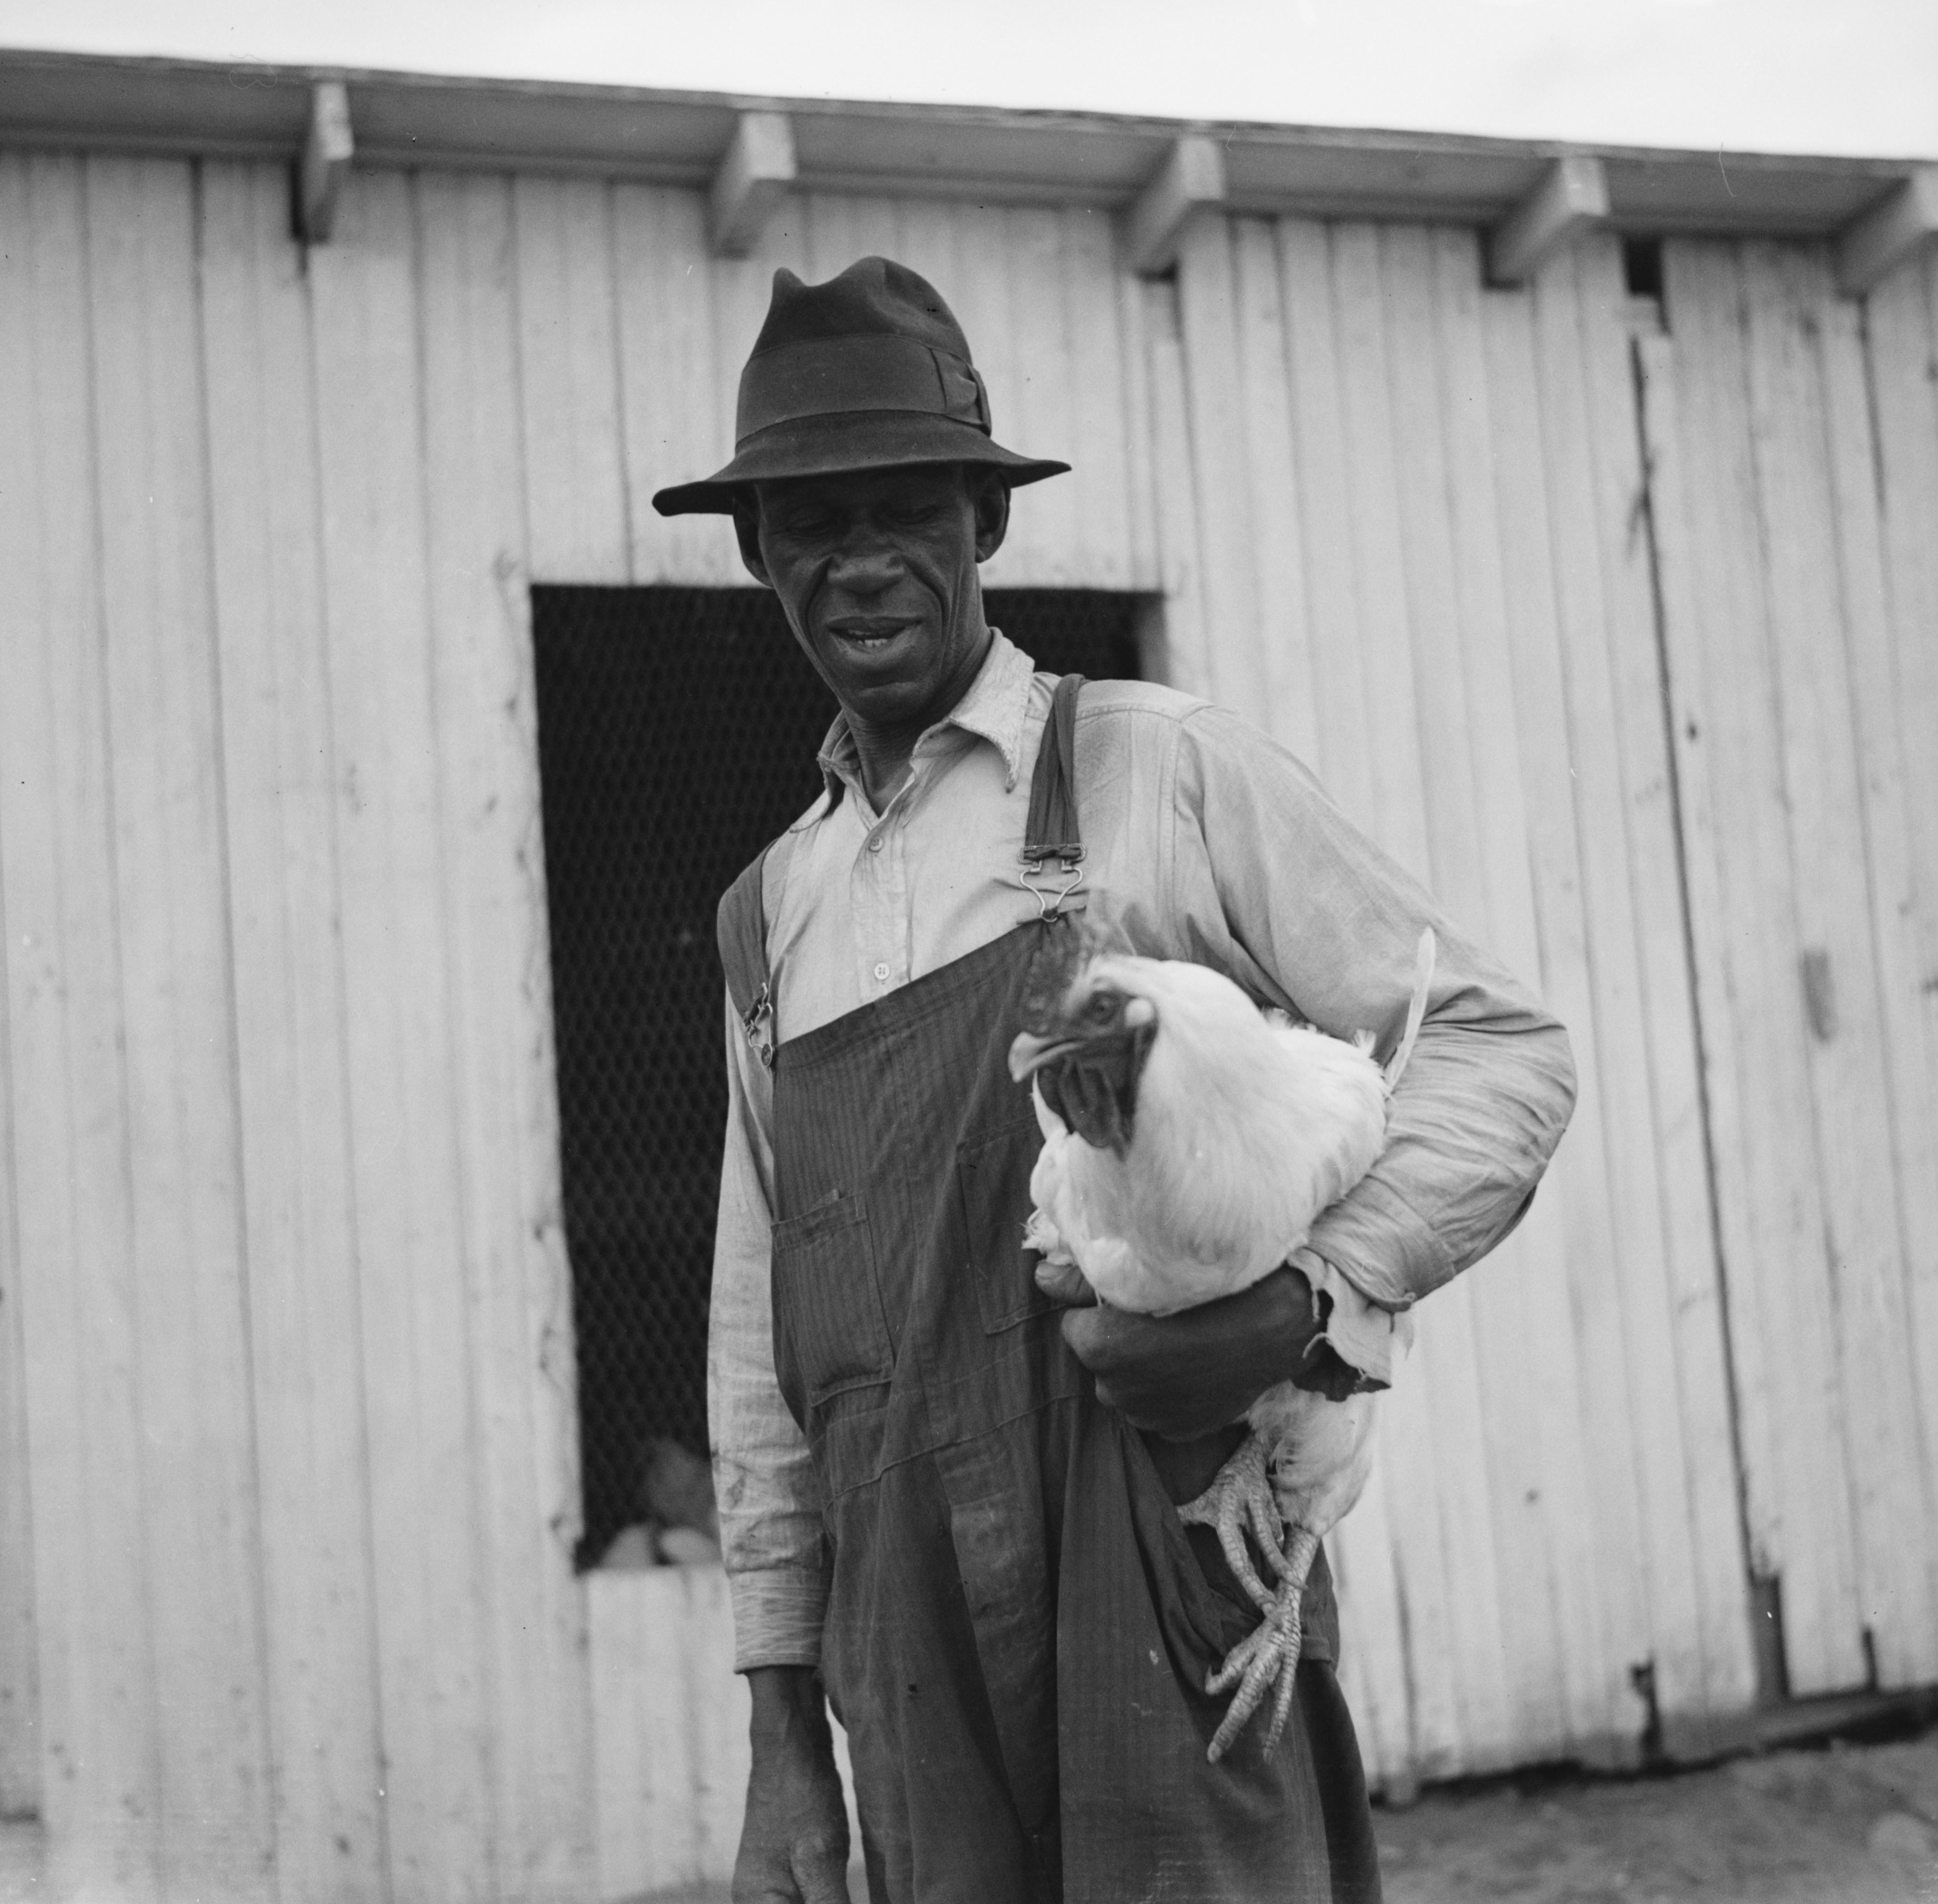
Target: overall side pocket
831 1333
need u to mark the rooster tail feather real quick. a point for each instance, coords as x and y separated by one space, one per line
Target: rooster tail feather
1416 1010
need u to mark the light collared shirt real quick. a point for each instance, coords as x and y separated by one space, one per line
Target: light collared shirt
1209 842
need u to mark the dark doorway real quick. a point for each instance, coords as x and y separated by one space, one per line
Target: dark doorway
678 729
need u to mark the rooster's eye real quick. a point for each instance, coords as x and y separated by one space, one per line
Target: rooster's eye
1102 1008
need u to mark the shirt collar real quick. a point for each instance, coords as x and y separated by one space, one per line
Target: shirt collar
994 709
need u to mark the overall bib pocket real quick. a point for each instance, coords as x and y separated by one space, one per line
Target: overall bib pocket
830 1332
993 1174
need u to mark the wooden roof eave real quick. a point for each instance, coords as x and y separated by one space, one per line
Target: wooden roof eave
69 101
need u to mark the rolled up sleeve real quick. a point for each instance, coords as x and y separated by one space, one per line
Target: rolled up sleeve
1320 918
771 1535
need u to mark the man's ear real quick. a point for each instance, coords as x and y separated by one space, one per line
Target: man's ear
747 528
989 496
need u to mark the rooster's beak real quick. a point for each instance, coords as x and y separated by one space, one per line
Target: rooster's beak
1030 1053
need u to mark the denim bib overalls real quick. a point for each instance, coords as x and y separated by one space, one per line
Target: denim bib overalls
1020 1627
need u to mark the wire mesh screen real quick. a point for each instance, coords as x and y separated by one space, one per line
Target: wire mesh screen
678 729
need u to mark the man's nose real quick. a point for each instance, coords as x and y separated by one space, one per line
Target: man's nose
865 571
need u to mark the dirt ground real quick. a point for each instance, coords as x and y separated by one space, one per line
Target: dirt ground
1836 1824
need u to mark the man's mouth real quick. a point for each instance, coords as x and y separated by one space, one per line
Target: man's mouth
869 634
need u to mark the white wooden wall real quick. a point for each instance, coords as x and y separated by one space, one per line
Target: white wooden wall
1797 510
286 1410
1419 500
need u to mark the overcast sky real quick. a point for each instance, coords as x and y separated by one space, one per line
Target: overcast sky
1849 76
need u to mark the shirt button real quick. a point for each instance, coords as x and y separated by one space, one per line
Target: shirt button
875 844
881 971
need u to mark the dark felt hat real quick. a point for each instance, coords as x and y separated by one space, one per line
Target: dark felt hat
869 371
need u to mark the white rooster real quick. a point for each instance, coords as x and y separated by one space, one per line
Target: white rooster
1189 1141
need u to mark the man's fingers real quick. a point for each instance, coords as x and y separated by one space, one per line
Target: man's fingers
1063 1283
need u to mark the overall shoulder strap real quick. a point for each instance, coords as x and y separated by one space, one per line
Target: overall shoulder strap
742 935
1053 832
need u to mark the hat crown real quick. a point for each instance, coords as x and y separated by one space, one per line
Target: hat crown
874 297
869 371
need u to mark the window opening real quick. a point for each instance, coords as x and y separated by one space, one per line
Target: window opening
678 729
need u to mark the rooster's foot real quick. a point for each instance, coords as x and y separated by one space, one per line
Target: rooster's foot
1267 1657
1241 1496
1259 1662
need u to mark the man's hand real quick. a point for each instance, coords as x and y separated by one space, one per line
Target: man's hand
794 1845
1190 1374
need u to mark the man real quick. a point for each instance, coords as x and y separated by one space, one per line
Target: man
943 1497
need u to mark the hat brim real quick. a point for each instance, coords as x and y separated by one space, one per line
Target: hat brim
840 445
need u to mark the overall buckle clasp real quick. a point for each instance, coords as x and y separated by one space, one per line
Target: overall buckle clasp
1036 875
763 1007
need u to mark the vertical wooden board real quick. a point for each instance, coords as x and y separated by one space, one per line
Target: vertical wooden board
1901 328
721 1709
1374 1665
619 1840
1693 1287
1098 444
429 1557
1686 692
1185 663
1788 290
1375 1605
497 950
1132 296
1887 797
1895 674
1504 888
664 291
829 238
1507 1314
20 1672
843 229
1340 715
1571 1219
1447 1349
1430 1574
569 375
743 290
925 242
1219 494
648 1823
1625 1298
659 1680
100 1746
1275 557
278 777
1042 421
1399 798
198 1471
1420 481
1793 1443
979 291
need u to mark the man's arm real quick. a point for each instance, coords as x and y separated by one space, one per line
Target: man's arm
770 1532
1312 910
1266 879
793 1844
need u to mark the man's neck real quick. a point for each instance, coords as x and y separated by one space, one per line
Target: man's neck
885 753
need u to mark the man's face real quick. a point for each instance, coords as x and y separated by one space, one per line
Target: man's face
876 570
